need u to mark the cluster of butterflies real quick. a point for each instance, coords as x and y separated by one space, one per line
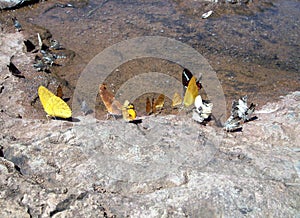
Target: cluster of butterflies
45 58
114 107
191 89
55 106
47 55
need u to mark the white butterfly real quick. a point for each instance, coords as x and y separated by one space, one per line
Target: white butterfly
202 110
240 112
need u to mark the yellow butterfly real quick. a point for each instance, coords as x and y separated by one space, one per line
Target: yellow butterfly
191 92
128 111
177 100
54 106
156 105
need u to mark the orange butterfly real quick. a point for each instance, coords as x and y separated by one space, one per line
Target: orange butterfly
59 92
113 106
156 105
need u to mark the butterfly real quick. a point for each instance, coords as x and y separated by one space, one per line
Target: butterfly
191 92
59 91
177 100
54 106
17 24
14 70
113 106
240 112
156 105
202 110
207 14
245 112
29 45
187 76
232 124
128 111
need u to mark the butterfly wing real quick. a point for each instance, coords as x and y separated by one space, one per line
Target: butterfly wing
148 106
59 92
113 106
232 124
191 93
159 103
153 106
131 112
53 105
206 110
44 95
186 77
242 106
197 116
177 100
59 108
198 102
249 112
128 111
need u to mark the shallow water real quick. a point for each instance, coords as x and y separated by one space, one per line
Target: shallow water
254 49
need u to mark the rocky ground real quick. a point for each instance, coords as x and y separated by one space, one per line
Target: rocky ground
167 166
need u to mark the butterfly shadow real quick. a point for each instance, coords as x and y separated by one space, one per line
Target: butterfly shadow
66 99
137 121
71 119
240 129
252 119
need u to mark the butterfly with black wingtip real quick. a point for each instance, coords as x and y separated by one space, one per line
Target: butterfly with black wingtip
190 93
128 111
187 76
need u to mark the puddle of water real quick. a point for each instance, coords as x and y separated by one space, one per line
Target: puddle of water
255 52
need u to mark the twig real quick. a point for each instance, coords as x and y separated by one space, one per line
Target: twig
96 8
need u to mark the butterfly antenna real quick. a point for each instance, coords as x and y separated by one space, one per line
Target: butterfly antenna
48 118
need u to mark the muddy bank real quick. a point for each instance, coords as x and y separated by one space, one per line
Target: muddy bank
252 46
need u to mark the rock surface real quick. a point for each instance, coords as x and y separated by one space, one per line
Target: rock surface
167 166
